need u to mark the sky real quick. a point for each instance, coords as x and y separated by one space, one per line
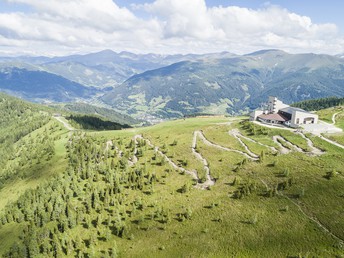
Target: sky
63 27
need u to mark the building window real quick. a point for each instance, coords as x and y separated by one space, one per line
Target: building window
297 120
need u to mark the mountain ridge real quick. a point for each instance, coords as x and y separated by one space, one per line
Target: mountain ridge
164 86
226 85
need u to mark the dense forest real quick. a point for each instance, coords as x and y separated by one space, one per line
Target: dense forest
89 122
104 113
317 104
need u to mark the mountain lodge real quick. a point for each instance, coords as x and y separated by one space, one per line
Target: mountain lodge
279 113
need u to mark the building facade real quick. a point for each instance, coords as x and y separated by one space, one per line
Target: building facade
279 113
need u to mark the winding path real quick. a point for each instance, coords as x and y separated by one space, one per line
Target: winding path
283 150
171 162
238 134
209 143
209 181
65 124
235 134
108 145
314 150
198 134
332 142
334 117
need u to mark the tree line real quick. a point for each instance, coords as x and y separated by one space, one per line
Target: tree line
317 104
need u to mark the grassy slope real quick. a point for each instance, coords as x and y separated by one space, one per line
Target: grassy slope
221 226
277 232
327 114
38 174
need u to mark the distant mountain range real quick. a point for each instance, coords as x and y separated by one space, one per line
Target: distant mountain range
163 86
230 84
102 69
41 86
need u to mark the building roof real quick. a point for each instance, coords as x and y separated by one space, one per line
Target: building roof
291 109
275 117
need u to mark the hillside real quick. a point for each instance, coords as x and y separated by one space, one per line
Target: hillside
31 147
334 115
102 69
229 84
69 78
318 104
42 86
210 186
106 113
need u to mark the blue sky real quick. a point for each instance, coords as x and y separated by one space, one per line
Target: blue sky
55 27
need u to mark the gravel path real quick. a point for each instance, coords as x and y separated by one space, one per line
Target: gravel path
65 124
314 151
171 162
334 117
209 181
292 146
283 150
108 145
254 141
235 133
209 143
332 142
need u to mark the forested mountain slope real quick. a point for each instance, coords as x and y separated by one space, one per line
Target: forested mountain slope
318 104
106 113
195 187
31 146
229 84
101 69
40 86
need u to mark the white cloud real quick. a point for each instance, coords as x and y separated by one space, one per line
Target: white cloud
61 26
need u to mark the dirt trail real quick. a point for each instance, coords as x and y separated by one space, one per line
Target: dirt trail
313 218
171 162
235 133
283 150
273 149
108 145
65 124
209 143
209 181
332 142
314 150
288 143
133 159
334 118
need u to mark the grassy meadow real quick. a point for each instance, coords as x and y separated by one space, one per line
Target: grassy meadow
279 205
326 115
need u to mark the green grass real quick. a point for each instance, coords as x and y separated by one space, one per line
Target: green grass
36 173
327 114
189 236
220 225
8 235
